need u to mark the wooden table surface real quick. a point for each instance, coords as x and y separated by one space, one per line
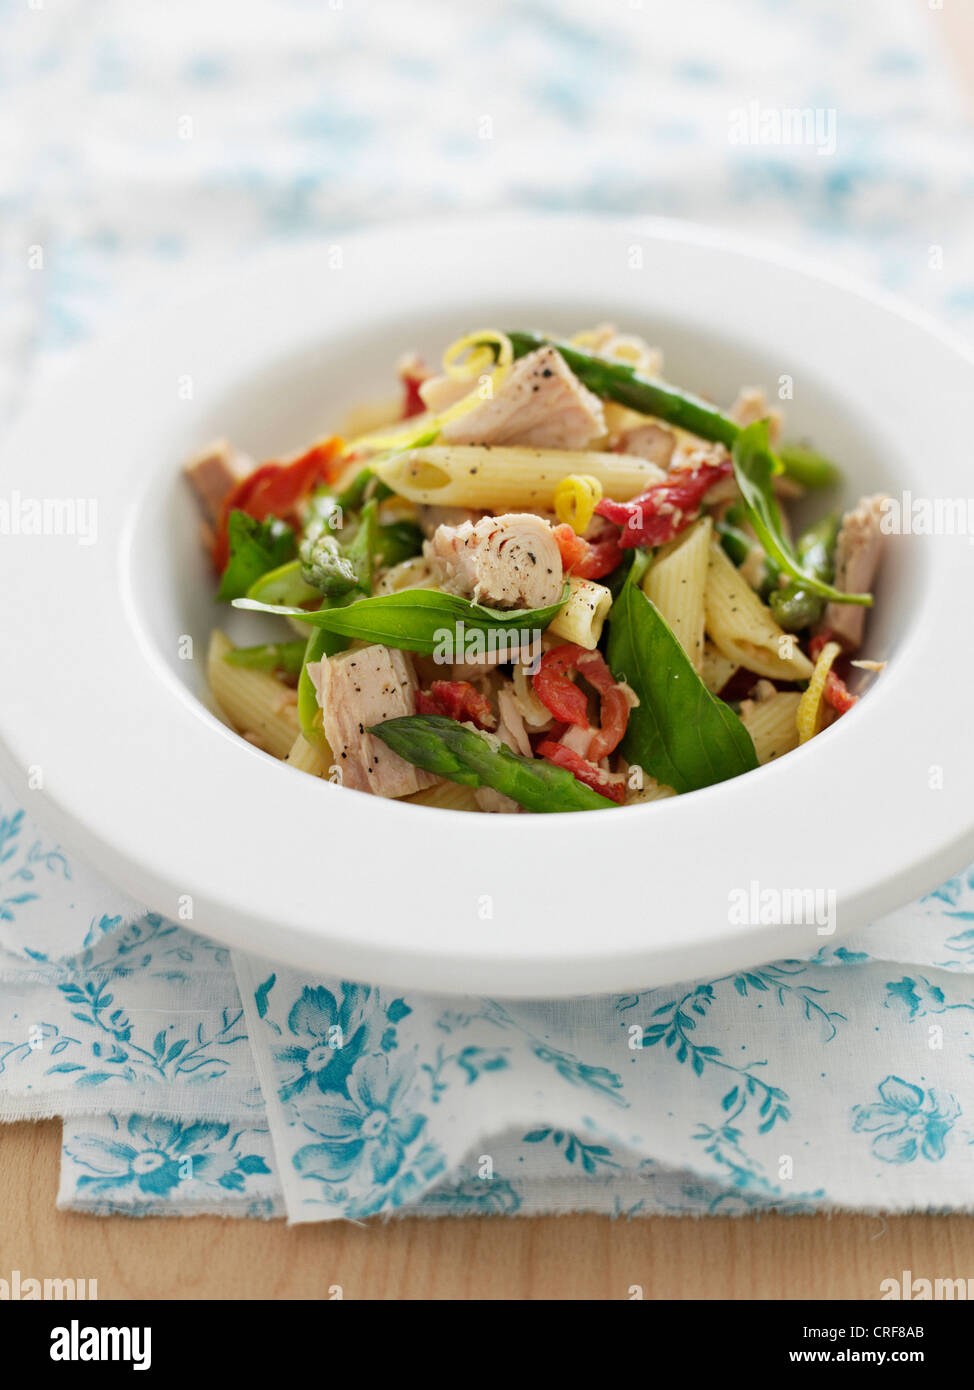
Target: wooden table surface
568 1257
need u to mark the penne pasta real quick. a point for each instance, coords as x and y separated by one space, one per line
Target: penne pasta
256 703
717 668
743 629
772 724
315 758
585 611
676 582
500 478
448 796
651 790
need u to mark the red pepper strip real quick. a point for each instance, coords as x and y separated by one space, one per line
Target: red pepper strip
587 559
566 701
613 706
582 770
555 688
666 509
456 700
412 402
836 694
275 489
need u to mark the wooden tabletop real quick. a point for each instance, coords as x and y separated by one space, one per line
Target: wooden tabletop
568 1257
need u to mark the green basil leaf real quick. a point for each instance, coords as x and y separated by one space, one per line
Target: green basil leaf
398 541
446 748
679 733
419 620
255 548
754 467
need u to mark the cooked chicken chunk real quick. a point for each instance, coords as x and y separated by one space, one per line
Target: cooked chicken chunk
359 688
510 561
653 442
429 517
752 406
541 403
511 731
857 554
213 473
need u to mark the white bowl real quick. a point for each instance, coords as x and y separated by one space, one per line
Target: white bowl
144 781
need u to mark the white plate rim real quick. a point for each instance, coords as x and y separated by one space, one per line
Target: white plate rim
430 932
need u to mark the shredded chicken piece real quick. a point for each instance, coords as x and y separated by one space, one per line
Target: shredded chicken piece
509 561
540 403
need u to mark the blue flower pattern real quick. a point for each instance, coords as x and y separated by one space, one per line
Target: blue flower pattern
906 1123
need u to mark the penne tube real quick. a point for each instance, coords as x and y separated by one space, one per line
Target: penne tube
717 669
676 582
498 479
651 790
315 758
772 724
255 702
448 796
743 629
584 613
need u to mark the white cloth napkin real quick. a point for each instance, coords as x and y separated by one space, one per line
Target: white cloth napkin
143 147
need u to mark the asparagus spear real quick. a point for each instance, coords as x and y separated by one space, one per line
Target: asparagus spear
448 749
275 656
616 381
795 606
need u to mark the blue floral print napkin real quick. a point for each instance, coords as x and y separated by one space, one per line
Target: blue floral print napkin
191 1079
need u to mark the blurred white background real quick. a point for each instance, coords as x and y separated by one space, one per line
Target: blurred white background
143 144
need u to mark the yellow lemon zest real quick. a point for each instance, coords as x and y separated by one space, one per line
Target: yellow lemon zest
809 716
422 429
576 498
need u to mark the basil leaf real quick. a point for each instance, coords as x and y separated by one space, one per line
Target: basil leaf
446 748
418 620
366 480
398 541
754 467
679 733
255 548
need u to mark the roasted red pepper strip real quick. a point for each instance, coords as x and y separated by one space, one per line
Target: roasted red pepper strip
582 770
666 509
836 694
275 489
559 694
613 705
412 378
555 688
456 700
587 559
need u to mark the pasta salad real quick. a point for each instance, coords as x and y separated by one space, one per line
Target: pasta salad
544 580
